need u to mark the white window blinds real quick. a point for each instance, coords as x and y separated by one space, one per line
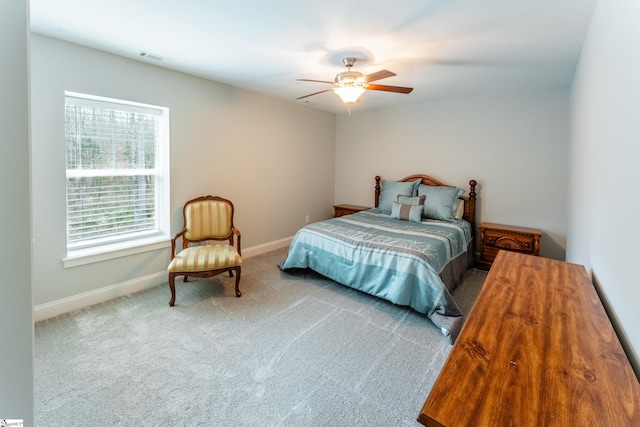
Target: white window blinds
112 170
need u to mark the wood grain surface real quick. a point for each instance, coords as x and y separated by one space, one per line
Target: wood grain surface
537 350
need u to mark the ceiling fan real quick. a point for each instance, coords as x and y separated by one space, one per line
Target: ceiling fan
349 85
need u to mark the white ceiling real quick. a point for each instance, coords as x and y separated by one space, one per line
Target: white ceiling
441 48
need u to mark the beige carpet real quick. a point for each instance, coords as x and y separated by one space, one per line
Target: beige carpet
294 350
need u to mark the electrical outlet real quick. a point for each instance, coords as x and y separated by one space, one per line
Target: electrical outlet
306 219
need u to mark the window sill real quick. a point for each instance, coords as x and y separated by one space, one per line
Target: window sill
105 252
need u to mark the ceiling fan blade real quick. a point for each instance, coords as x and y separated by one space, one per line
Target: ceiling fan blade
378 75
315 93
310 80
396 89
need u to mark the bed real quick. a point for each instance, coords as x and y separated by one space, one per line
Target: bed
411 249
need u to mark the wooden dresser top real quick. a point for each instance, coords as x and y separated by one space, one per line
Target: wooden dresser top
512 228
537 350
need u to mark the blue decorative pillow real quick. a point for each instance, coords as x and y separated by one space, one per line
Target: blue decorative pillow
392 189
441 202
406 212
416 200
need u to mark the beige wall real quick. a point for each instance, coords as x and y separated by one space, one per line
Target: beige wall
515 145
16 323
274 159
605 151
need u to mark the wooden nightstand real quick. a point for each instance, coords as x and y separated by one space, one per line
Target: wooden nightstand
494 237
340 210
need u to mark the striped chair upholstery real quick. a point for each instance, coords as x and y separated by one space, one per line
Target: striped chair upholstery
208 242
208 218
205 258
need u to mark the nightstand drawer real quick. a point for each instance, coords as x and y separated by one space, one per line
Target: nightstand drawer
497 237
516 243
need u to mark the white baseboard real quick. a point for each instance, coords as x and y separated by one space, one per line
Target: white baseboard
85 299
266 247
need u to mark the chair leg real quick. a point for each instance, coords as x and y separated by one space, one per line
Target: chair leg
238 293
172 287
230 273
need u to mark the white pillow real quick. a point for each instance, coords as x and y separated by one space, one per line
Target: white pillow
459 213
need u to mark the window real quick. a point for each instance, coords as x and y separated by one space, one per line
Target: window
117 176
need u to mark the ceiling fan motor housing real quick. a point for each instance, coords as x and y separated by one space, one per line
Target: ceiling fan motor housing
349 78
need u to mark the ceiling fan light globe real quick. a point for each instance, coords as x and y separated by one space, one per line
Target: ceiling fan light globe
349 94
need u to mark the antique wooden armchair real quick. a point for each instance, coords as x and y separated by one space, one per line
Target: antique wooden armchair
208 221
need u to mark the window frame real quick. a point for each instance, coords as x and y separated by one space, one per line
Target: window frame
136 242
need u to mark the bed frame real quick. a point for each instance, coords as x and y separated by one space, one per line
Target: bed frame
469 201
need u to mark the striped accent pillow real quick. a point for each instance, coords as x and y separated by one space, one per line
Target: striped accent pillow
406 212
205 258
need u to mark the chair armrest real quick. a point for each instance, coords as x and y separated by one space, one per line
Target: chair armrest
235 231
173 242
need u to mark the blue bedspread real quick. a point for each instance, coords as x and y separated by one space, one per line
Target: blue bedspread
399 261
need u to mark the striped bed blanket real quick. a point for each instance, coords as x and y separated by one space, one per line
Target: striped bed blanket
400 261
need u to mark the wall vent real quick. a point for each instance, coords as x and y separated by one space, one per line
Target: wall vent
152 56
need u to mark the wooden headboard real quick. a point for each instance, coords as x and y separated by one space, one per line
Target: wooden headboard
469 201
